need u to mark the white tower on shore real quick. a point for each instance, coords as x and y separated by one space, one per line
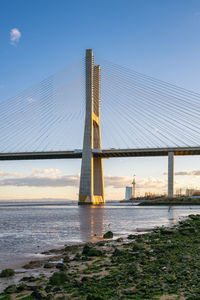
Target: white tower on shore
134 186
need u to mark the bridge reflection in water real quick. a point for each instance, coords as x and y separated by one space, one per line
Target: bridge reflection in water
91 220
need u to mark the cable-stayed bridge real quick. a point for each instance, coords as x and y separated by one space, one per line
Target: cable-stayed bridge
140 116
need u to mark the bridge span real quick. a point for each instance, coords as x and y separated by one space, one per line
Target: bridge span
104 153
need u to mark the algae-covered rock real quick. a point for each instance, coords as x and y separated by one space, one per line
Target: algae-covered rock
108 235
28 279
119 240
39 295
94 297
11 289
66 259
131 237
48 265
118 252
89 251
7 273
61 267
58 278
138 246
33 264
5 297
21 287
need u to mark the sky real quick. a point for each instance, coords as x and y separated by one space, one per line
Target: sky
39 38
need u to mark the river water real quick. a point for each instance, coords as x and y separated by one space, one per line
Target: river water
27 229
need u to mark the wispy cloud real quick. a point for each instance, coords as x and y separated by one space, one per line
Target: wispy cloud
39 178
54 178
186 173
41 181
30 99
15 36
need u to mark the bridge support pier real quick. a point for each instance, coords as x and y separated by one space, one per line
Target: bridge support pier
170 174
91 190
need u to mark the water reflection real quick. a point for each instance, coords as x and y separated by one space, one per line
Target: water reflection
91 220
171 216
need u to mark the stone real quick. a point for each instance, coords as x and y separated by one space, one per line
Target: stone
108 235
7 273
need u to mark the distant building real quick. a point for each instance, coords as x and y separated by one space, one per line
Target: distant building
128 193
130 190
189 192
192 192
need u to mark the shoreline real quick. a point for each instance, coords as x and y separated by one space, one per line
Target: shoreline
72 270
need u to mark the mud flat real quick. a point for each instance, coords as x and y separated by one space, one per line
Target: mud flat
162 264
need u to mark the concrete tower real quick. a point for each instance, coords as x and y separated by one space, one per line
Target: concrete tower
170 174
134 186
92 182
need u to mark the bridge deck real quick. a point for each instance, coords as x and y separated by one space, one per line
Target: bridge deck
109 153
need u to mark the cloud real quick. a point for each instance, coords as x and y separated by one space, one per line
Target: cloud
53 178
11 174
189 173
186 173
38 178
51 171
15 36
117 181
30 99
47 181
143 183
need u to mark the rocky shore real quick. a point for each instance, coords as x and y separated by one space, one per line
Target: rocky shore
163 264
171 201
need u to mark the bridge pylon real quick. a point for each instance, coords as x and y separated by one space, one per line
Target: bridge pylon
91 190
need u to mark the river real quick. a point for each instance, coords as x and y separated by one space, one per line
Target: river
27 229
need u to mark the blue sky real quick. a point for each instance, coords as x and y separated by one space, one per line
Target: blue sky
157 38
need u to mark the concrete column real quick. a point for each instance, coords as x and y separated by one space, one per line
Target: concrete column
86 180
98 179
91 189
170 174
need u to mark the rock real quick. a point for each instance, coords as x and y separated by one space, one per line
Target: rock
21 287
89 251
101 244
56 289
58 278
94 297
107 264
165 287
108 235
138 246
33 264
118 252
66 259
39 295
119 240
29 279
34 288
61 267
48 288
7 273
84 278
48 265
77 257
131 237
10 289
